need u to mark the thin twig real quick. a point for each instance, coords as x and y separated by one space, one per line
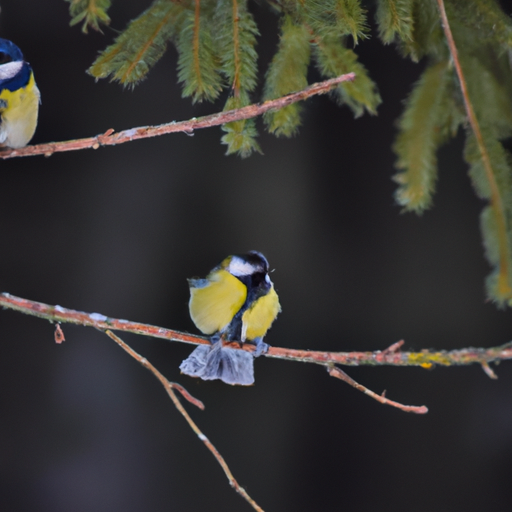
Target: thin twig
110 138
170 387
488 370
425 358
394 347
496 201
338 373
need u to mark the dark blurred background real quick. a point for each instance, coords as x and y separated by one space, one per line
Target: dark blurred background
83 427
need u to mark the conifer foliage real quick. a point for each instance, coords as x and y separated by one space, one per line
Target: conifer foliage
92 13
216 41
435 111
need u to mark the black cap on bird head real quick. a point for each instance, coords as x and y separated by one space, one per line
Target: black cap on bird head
258 260
244 265
14 71
9 52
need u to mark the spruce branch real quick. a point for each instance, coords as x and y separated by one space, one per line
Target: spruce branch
503 288
140 46
236 72
287 72
395 20
333 58
430 117
111 138
170 387
198 62
237 41
91 12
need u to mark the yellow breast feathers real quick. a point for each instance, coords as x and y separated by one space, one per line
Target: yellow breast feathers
18 113
19 97
256 320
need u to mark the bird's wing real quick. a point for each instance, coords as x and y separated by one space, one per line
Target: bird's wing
214 301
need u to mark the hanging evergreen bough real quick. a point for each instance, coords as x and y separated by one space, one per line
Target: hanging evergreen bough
216 43
287 73
92 13
431 116
236 33
332 59
137 49
199 62
395 20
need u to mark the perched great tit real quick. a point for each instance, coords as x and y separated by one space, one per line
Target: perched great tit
19 97
235 302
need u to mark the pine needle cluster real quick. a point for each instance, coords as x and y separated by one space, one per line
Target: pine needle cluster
92 13
216 41
435 111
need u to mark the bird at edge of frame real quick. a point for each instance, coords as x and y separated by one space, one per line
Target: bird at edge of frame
235 302
19 97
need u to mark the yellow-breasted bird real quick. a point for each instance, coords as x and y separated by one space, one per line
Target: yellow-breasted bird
19 97
235 302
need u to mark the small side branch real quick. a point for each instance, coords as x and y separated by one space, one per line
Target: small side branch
391 356
336 372
110 138
170 387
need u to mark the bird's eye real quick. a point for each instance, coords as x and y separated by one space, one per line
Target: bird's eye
5 57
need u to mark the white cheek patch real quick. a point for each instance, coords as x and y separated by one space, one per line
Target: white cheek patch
239 267
10 70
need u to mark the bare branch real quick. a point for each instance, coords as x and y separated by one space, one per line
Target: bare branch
488 370
391 356
110 138
334 371
170 387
